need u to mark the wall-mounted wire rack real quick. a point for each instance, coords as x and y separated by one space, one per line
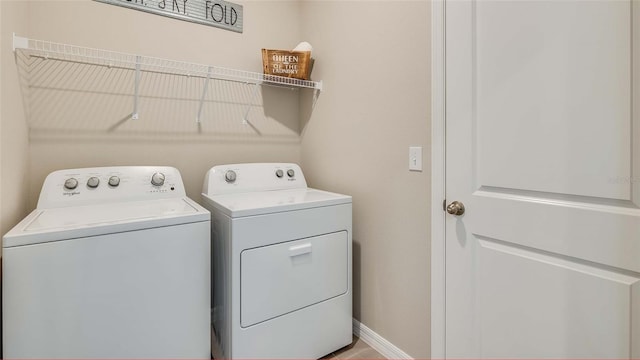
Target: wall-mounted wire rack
145 64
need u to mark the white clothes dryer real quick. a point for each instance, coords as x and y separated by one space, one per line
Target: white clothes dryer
113 263
281 263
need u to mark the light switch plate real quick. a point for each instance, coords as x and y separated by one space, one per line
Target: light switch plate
415 158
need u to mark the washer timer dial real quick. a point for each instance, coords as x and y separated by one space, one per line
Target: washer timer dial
157 179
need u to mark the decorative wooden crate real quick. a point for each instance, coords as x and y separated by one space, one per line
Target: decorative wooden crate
293 64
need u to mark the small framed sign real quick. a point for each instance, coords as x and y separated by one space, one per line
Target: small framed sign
218 13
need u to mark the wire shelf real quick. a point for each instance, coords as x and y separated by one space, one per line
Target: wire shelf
86 90
112 59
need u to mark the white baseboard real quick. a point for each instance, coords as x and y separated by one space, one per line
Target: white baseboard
377 342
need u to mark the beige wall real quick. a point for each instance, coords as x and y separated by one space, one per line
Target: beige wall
374 59
14 159
69 131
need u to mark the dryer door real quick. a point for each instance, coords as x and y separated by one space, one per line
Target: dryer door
282 278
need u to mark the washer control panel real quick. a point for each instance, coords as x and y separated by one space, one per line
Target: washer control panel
235 178
74 187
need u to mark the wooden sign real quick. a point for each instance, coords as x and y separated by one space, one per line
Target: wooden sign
218 13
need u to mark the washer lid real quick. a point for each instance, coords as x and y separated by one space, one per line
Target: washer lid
45 225
266 202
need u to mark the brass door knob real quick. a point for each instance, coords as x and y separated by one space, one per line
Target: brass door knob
455 208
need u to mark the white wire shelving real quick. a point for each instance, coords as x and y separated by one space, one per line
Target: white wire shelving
144 64
112 59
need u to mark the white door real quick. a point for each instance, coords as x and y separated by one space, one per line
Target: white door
542 148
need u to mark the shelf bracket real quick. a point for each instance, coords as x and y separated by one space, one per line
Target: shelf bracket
204 93
20 42
136 94
245 118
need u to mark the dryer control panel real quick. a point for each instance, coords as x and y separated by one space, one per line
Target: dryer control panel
76 187
237 178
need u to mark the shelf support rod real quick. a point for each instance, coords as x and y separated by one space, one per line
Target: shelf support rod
135 115
245 119
204 93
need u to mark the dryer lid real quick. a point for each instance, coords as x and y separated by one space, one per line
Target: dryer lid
46 225
267 202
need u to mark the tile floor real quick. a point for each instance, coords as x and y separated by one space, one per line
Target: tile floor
357 350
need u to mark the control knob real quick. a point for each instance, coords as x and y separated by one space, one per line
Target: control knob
93 182
114 181
290 173
230 176
70 184
279 173
157 179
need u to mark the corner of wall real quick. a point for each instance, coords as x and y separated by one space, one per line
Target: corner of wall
355 139
14 137
377 342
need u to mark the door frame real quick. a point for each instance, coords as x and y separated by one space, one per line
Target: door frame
438 179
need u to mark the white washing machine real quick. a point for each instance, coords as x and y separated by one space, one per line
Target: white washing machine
113 263
281 263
